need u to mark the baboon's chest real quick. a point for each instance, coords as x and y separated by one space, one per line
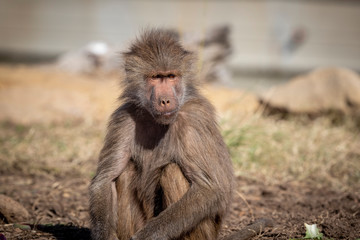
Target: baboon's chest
153 160
152 152
153 149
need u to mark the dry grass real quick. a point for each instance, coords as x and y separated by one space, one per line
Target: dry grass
32 95
297 149
55 149
317 151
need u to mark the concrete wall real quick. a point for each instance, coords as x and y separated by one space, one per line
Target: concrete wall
261 30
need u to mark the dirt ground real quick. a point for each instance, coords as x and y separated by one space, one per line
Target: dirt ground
58 202
59 208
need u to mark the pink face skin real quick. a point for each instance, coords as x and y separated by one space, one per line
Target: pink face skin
163 90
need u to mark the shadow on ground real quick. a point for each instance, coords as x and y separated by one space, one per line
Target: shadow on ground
66 232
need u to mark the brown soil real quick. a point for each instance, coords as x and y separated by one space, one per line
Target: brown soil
58 203
59 208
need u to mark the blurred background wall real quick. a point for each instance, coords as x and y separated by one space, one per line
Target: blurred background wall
275 35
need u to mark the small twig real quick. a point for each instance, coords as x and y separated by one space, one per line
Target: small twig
247 204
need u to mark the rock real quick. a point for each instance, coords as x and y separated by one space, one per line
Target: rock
322 90
93 58
12 211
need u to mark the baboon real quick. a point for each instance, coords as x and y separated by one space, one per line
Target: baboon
164 171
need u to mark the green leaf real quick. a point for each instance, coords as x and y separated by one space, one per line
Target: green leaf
21 226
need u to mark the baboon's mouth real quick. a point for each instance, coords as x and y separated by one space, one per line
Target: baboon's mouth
169 113
165 117
165 114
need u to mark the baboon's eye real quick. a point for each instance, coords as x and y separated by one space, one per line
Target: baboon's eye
157 76
171 76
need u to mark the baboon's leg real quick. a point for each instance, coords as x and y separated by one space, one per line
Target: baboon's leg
130 215
174 186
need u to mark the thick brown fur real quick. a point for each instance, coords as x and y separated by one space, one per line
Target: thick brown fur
161 177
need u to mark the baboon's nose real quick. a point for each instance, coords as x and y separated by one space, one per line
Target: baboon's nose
164 102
